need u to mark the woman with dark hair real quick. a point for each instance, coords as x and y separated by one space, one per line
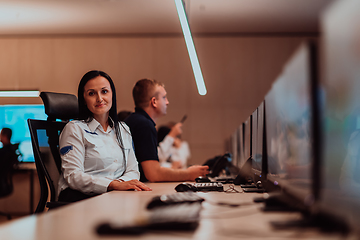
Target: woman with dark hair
96 149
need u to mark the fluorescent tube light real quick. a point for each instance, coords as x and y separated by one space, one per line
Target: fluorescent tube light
19 93
191 47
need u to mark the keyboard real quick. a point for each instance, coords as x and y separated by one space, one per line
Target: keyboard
211 186
183 216
224 179
196 187
174 198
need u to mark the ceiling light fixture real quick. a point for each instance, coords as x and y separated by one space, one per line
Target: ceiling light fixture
19 93
191 47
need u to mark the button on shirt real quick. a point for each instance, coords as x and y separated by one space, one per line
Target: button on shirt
92 158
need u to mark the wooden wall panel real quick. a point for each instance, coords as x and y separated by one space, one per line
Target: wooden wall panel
238 72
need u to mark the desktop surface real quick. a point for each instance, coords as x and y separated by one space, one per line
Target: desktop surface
79 220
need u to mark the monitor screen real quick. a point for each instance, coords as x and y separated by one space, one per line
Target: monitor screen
255 160
340 195
289 125
15 117
254 125
257 155
234 149
240 147
247 138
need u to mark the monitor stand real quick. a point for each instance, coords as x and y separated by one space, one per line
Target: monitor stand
243 176
324 222
275 202
254 187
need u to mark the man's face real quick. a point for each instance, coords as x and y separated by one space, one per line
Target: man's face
161 100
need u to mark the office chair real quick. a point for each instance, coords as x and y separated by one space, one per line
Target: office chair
60 108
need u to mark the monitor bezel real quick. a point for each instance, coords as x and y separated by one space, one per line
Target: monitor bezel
302 201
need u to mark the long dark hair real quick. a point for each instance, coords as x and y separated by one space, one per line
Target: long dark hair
84 112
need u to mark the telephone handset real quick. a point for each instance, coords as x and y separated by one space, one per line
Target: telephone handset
183 118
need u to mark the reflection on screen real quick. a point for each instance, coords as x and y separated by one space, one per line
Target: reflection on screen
341 170
257 157
247 139
288 124
233 148
15 117
240 146
254 141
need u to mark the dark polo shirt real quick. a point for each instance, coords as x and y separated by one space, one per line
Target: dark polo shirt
144 136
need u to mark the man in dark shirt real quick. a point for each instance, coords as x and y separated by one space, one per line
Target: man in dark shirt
8 156
151 103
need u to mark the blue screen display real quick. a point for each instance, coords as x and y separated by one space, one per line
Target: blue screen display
15 117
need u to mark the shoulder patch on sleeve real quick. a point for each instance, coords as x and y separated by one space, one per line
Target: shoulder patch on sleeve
66 149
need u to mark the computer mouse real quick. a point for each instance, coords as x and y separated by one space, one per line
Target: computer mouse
185 187
202 179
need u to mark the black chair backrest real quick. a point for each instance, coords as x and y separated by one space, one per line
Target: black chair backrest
45 141
61 106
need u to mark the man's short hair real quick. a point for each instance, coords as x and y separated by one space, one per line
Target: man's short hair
144 91
6 132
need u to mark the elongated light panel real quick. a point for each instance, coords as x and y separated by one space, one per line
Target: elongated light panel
19 93
191 47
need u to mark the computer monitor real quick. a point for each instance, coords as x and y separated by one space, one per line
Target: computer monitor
240 147
244 166
253 132
254 145
340 192
15 117
234 147
257 160
291 129
247 138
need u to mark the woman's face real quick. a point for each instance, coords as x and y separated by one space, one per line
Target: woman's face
98 96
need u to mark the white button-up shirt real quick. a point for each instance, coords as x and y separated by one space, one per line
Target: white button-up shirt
166 150
92 158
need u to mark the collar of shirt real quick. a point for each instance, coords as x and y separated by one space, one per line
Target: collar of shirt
142 112
93 125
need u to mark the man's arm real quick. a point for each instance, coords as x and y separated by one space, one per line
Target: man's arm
155 173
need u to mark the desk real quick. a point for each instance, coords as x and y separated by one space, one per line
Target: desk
26 191
31 169
78 220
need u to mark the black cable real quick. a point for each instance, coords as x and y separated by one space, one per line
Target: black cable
232 189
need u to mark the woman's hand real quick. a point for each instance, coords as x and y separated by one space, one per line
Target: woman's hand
132 184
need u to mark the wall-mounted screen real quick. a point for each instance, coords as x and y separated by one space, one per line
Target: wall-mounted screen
15 117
